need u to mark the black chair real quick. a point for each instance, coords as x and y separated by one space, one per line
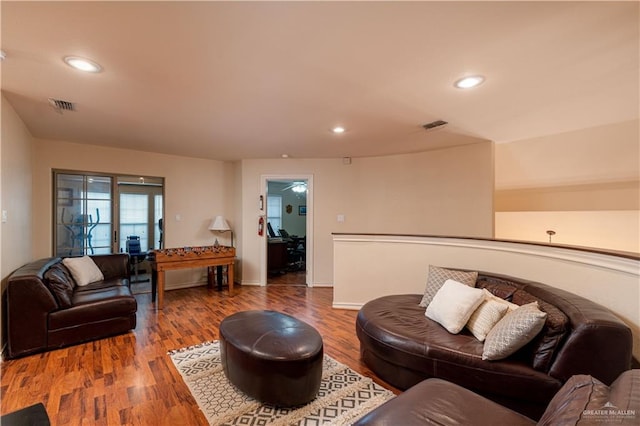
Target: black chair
136 255
34 415
270 230
295 249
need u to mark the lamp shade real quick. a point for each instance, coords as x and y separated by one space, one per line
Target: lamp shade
219 224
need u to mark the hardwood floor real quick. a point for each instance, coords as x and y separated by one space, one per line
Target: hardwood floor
129 379
290 278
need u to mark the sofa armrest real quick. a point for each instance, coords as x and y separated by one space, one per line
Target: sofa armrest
29 302
438 402
113 265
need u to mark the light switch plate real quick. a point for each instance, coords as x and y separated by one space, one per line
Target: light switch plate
4 216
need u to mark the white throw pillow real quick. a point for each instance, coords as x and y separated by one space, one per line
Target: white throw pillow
83 270
512 332
453 304
486 316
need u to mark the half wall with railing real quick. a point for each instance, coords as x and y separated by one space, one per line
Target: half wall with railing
367 266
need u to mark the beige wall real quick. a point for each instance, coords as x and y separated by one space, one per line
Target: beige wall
613 230
329 176
441 192
584 185
195 191
15 178
445 192
598 155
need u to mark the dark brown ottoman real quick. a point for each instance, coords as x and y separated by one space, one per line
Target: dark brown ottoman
272 357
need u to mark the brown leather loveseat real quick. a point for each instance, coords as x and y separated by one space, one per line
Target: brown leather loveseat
583 400
404 347
46 310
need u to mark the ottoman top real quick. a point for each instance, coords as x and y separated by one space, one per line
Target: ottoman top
271 335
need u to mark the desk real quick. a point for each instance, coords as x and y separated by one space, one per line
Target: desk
189 257
277 256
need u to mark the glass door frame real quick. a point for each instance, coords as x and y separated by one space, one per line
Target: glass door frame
145 188
115 201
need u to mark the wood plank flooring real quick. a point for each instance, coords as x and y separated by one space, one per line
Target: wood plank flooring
290 278
129 379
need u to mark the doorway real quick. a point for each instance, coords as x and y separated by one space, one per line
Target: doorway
95 213
140 212
288 230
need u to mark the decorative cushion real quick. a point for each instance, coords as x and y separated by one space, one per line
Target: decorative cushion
502 288
510 306
83 269
60 283
544 347
437 277
453 304
512 332
486 316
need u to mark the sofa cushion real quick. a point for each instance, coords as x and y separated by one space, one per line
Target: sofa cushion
513 331
500 287
436 278
453 304
59 281
544 347
487 315
95 306
438 402
83 269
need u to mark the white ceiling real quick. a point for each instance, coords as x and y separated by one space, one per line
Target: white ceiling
231 80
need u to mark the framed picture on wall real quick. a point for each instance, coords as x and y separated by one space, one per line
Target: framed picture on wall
302 210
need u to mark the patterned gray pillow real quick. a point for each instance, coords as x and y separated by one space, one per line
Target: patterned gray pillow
512 332
437 277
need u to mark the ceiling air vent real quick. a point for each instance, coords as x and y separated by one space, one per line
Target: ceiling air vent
61 105
434 124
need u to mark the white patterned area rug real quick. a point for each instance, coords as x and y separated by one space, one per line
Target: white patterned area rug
344 395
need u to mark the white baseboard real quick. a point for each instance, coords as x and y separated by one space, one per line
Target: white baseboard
254 283
323 284
349 306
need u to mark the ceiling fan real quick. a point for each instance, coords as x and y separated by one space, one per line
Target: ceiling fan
298 187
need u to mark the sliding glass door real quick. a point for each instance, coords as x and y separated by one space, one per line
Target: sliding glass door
140 211
83 206
94 214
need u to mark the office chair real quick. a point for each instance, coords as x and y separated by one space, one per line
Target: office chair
135 254
270 230
295 249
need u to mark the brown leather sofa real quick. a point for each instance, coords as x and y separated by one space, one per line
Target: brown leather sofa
403 347
583 400
44 310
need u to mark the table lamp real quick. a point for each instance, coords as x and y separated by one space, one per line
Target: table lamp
219 224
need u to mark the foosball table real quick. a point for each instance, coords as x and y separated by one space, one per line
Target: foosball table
188 257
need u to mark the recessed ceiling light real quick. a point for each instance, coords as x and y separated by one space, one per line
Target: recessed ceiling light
469 82
82 64
338 129
285 155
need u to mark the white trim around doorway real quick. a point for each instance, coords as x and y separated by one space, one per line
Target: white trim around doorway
309 243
